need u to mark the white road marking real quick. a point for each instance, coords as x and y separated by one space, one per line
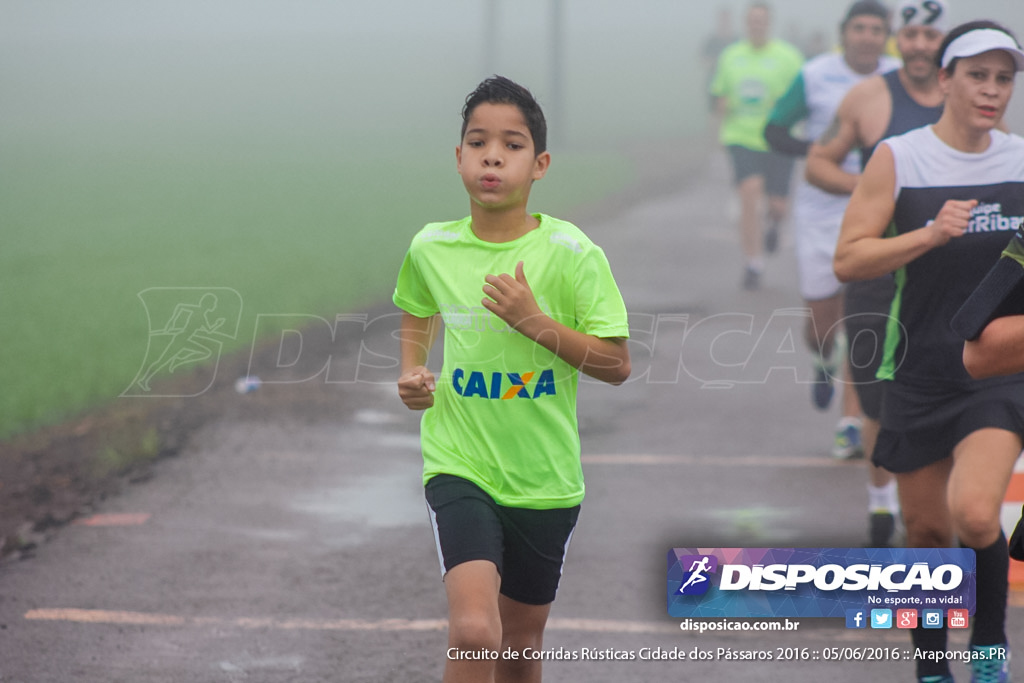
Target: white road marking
717 460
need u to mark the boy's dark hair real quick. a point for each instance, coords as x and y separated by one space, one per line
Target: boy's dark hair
869 8
500 90
967 28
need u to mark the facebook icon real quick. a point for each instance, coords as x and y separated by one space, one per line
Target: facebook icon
856 618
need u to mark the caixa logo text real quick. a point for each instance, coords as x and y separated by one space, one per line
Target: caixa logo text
830 577
503 385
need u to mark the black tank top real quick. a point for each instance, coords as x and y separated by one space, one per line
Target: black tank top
906 115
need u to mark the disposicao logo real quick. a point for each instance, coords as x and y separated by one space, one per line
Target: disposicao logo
696 580
832 577
818 582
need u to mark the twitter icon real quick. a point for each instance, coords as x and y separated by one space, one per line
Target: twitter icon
881 618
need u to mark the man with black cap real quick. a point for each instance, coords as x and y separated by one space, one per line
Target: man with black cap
877 108
813 99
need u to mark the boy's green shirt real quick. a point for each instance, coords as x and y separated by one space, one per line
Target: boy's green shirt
752 80
504 414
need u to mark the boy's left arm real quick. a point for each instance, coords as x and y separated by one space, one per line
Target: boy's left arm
511 299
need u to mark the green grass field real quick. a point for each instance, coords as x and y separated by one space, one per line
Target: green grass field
310 234
286 152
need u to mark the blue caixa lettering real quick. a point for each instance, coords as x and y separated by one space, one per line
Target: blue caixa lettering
503 385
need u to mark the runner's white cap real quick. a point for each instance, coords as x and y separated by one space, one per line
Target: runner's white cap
933 13
983 40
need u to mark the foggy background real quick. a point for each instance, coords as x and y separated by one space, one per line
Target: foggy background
316 72
256 145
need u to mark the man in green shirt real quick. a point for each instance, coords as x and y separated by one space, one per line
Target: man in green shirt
752 74
527 302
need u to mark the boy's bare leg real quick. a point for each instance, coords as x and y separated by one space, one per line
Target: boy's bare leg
522 630
474 620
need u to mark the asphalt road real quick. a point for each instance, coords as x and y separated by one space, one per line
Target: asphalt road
284 546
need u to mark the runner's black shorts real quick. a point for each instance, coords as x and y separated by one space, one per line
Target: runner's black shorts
775 168
922 426
527 546
866 307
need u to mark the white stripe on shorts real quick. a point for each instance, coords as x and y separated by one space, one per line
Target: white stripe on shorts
437 538
565 549
440 554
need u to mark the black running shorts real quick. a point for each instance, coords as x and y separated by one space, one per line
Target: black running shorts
527 546
775 168
865 317
921 427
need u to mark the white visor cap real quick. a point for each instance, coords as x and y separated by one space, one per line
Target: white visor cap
983 40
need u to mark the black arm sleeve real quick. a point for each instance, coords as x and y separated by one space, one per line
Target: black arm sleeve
780 140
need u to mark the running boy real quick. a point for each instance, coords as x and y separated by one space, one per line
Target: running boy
527 302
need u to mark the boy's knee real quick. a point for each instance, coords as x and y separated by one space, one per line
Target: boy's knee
522 668
474 631
523 641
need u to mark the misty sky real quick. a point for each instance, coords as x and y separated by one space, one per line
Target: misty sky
630 65
443 19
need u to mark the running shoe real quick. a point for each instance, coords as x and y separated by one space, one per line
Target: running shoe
935 679
994 668
751 278
847 443
881 529
822 387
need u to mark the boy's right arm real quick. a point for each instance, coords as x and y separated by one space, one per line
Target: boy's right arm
417 384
